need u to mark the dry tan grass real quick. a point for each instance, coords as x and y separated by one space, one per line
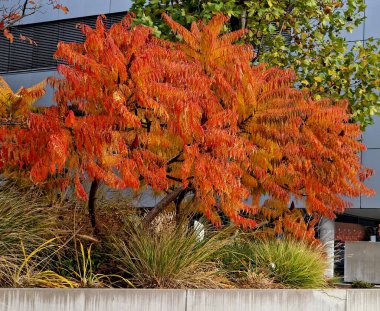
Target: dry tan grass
169 258
257 280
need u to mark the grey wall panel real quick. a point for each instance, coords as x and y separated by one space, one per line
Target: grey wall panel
354 201
362 300
79 8
357 33
34 299
371 136
371 158
93 300
28 79
369 213
372 24
361 262
120 5
46 13
266 300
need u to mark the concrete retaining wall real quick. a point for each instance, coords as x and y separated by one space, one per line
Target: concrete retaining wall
188 300
361 262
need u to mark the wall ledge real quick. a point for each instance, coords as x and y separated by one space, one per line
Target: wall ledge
189 300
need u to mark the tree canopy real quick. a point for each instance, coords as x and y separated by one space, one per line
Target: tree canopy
193 116
306 36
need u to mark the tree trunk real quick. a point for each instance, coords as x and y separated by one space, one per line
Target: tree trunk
178 208
243 19
164 203
92 202
178 202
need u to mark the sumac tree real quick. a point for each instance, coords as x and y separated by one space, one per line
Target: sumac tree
307 36
16 106
190 117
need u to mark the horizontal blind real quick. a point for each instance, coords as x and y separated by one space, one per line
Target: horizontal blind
4 53
21 55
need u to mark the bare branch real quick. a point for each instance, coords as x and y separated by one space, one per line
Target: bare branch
164 203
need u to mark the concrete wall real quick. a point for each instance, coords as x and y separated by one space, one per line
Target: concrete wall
188 300
361 262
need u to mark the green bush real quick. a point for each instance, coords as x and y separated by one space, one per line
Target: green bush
362 284
274 264
291 263
169 258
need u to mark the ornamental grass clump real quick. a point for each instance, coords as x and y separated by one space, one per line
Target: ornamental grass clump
26 240
21 218
173 258
277 263
33 269
294 264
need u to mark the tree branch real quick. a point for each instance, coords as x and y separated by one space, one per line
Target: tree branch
172 160
92 202
22 124
160 206
24 8
173 178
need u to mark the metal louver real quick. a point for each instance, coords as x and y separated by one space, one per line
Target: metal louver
4 54
20 52
23 56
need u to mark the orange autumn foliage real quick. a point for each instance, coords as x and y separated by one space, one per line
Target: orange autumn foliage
11 13
196 114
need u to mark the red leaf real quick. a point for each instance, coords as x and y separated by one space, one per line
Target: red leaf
70 119
64 9
79 189
8 35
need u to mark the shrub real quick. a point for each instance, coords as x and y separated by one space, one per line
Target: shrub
24 226
172 258
274 263
362 284
84 272
21 218
32 270
291 263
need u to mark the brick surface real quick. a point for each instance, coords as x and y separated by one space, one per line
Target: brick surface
349 232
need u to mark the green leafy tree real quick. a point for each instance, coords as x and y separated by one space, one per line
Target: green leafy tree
306 36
